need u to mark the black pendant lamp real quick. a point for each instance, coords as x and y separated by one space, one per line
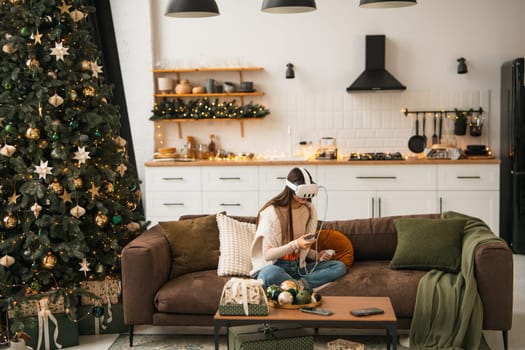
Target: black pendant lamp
377 4
192 8
288 6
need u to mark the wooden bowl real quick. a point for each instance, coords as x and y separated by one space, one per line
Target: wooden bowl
293 306
167 150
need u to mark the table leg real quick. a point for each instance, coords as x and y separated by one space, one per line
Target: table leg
216 330
391 337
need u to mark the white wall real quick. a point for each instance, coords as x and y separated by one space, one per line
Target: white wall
327 48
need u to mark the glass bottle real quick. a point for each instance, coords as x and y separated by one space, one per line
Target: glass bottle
212 147
190 147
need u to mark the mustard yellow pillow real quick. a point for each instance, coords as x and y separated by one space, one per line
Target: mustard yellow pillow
333 239
194 244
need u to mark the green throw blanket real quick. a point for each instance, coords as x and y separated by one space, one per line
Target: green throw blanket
448 312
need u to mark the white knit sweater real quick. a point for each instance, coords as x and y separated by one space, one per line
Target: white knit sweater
269 228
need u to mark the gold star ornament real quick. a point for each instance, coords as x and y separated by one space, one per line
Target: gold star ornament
64 8
13 198
94 191
66 197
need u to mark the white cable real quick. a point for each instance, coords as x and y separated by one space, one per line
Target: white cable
317 238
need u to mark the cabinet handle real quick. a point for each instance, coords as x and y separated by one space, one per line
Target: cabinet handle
468 177
280 178
173 178
230 204
376 177
173 204
373 206
379 206
229 178
440 205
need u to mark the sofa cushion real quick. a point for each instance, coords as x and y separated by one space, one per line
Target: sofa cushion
333 239
194 244
376 278
192 293
426 244
235 241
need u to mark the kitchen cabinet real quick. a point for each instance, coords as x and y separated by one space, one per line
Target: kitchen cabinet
376 191
350 191
471 190
199 76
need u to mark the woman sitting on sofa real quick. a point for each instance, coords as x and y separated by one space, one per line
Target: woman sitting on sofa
282 249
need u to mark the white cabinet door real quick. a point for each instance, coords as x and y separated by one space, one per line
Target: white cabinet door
468 177
390 203
243 203
229 178
480 204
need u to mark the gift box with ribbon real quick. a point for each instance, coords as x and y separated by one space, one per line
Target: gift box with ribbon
49 331
242 296
270 337
101 319
108 292
31 307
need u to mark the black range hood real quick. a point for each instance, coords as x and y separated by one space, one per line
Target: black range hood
375 77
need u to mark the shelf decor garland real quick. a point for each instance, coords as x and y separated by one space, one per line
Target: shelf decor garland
205 109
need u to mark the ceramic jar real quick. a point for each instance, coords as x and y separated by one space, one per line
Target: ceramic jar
183 87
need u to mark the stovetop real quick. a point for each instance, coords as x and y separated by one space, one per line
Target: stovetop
376 156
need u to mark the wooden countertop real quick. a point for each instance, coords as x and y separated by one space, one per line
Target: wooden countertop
168 163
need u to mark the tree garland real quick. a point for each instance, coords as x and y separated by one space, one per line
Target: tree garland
205 109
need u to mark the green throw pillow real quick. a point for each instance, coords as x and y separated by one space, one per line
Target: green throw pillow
425 244
194 244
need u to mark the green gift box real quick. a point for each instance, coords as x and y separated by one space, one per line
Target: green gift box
238 310
67 332
88 324
268 337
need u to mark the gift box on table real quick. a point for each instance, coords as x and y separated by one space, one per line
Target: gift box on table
48 335
241 296
270 337
104 319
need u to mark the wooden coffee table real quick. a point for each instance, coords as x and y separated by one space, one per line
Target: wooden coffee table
341 317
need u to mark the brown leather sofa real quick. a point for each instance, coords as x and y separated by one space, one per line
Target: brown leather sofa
151 298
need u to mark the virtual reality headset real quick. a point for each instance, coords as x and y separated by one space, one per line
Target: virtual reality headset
307 190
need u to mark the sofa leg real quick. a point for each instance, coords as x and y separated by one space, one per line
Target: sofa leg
505 334
130 334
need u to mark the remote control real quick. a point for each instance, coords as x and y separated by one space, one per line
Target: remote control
367 311
317 311
309 237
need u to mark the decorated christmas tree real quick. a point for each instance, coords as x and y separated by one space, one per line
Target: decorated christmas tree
68 194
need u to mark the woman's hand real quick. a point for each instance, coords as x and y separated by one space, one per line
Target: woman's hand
325 255
304 243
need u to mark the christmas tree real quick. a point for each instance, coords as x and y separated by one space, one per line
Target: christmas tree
68 195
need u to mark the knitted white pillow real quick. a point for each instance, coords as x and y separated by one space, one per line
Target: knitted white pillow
235 239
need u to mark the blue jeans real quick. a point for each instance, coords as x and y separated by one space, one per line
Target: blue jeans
282 270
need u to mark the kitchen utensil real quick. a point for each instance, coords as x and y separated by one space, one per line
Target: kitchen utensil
423 132
417 143
440 126
434 135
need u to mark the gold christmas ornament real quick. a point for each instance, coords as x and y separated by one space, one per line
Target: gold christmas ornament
109 187
10 221
9 48
131 205
73 95
77 211
7 150
133 226
7 260
89 91
78 183
103 100
100 269
76 15
53 75
56 100
120 141
49 261
32 133
85 65
101 220
56 187
32 63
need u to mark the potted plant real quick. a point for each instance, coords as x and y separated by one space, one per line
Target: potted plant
461 121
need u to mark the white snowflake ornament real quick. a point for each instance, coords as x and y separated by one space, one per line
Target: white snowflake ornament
59 51
81 155
43 170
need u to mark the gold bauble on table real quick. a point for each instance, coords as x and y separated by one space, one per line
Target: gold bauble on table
32 133
10 221
49 261
101 220
78 183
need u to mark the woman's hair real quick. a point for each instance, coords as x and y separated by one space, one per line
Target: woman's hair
284 199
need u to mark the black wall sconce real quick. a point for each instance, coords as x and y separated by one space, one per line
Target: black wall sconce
462 66
290 73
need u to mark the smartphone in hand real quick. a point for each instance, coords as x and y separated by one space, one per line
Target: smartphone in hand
309 237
